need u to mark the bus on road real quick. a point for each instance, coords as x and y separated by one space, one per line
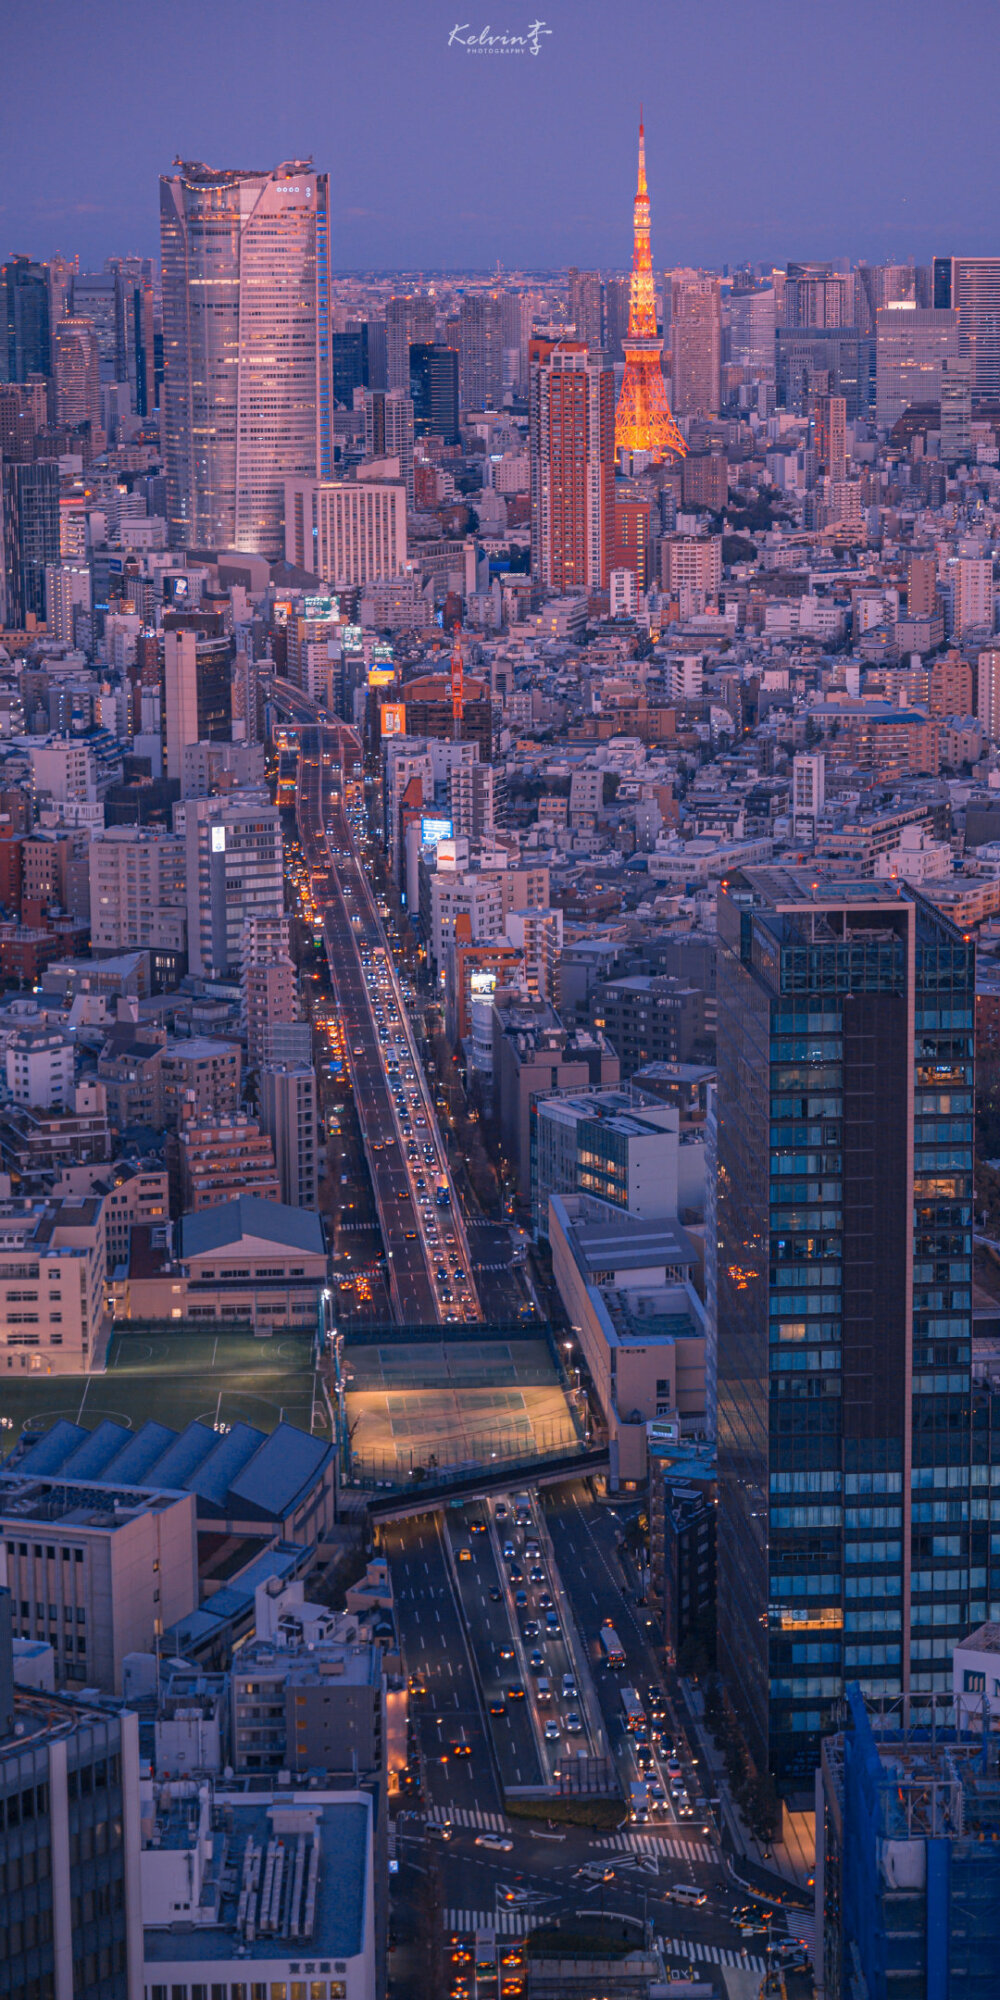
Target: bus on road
487 1970
633 1711
614 1651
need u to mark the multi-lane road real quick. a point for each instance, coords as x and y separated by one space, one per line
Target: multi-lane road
428 1266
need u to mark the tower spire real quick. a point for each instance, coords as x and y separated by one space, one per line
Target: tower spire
643 419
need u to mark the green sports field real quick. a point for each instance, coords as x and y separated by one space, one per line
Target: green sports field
176 1378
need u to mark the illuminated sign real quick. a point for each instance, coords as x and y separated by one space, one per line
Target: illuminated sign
382 651
381 677
393 718
482 985
434 830
321 607
218 840
352 638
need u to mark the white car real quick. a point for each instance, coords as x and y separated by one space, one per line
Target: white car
552 1731
494 1841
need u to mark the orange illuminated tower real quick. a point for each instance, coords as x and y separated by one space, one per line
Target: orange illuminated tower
643 419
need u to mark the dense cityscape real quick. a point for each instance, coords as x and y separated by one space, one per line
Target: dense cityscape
499 1117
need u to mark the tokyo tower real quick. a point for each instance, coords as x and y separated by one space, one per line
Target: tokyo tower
643 419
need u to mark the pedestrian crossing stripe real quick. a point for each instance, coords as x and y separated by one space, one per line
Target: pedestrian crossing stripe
475 1816
658 1843
711 1954
509 1923
517 1923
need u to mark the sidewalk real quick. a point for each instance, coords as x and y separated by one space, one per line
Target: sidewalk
792 1859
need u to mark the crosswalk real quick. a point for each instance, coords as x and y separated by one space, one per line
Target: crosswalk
635 1842
711 1954
509 1923
474 1816
802 1925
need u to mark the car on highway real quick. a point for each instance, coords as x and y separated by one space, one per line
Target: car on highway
465 1555
515 1693
461 1750
536 1575
569 1687
573 1723
520 1599
545 1600
552 1730
496 1842
536 1660
495 1593
501 1509
515 1574
529 1630
441 1828
506 1652
477 1527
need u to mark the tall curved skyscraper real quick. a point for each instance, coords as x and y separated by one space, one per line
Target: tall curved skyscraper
247 392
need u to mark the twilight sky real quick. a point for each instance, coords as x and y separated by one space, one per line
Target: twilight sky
860 128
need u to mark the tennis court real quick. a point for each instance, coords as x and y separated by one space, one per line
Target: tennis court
177 1378
452 1403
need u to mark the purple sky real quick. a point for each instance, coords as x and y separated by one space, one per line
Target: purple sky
861 128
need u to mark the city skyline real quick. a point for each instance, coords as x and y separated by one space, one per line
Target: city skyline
778 154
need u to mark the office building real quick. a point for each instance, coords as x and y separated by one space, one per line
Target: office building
817 295
480 351
98 297
695 344
434 391
389 429
956 410
99 1570
626 1287
76 374
649 1017
616 310
534 1056
198 698
234 872
137 891
843 1270
572 438
970 287
751 320
408 321
912 347
25 330
971 578
247 393
29 536
349 532
605 1144
71 1921
317 1845
811 361
288 1115
585 308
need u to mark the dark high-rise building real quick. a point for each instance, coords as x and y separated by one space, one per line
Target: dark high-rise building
586 307
100 297
434 390
25 331
29 519
971 286
480 351
70 1836
349 354
616 299
843 1305
407 319
817 295
76 368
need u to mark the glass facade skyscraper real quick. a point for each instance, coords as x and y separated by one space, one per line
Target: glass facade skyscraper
248 388
847 1545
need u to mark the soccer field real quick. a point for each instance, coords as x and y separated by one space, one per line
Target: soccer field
176 1379
451 1402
